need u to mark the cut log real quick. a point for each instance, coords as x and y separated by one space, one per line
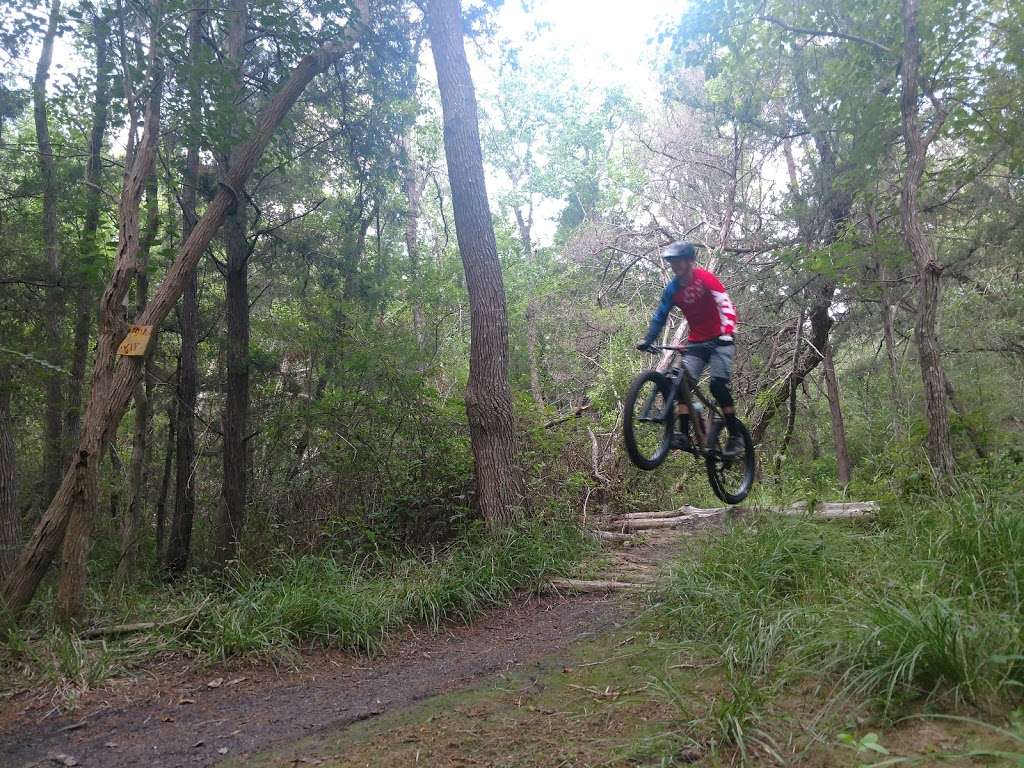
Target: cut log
583 585
686 516
654 515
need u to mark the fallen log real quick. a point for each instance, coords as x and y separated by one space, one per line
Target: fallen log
584 585
652 515
127 629
685 516
611 536
832 510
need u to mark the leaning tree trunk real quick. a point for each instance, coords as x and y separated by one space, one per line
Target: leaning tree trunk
231 514
10 518
114 379
52 308
500 495
84 296
929 271
112 327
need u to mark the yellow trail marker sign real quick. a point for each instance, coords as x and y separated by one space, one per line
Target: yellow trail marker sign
135 343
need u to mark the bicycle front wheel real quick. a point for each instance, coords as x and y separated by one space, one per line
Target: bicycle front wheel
731 476
647 422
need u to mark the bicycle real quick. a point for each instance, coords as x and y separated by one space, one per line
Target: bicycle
650 421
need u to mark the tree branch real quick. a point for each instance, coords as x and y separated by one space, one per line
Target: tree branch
828 33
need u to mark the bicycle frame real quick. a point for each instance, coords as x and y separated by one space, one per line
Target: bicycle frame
684 390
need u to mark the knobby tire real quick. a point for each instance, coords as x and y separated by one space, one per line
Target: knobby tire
730 495
638 453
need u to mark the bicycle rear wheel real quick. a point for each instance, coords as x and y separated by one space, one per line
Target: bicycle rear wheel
731 477
647 422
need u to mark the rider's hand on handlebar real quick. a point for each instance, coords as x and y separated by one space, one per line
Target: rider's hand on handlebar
646 346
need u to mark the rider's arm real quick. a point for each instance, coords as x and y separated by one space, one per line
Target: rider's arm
661 313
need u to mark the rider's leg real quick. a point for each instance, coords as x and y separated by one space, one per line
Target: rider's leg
721 387
720 365
694 362
722 390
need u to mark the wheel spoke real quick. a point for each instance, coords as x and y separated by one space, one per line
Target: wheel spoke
731 475
649 420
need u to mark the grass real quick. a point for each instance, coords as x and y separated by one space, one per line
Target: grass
922 607
355 606
632 699
305 602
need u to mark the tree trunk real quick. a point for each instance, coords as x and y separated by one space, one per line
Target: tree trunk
929 271
72 583
90 251
821 324
114 379
794 386
53 304
179 545
525 224
10 518
131 527
888 312
231 513
500 491
414 182
165 484
838 426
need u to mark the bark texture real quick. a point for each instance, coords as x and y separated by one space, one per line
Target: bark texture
929 271
791 417
131 525
231 514
500 496
179 544
114 380
98 426
165 484
52 419
10 519
838 425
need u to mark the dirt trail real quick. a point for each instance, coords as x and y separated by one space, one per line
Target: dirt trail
185 722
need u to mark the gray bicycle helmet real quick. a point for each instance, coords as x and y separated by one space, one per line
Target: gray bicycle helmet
681 249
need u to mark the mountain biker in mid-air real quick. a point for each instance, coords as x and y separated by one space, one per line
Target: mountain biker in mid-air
711 344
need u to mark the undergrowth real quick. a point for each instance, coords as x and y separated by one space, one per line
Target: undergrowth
922 607
355 604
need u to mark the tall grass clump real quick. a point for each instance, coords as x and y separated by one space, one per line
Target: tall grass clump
925 603
356 605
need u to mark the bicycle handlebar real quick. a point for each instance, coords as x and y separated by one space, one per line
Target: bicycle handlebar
656 348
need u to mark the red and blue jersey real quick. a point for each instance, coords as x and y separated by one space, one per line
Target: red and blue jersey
703 302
